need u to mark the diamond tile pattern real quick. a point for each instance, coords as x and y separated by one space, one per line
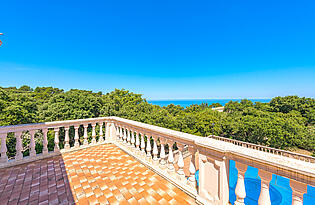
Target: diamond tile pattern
98 175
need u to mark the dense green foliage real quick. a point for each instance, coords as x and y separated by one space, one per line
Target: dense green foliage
285 122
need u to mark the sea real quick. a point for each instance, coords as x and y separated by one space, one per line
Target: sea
188 102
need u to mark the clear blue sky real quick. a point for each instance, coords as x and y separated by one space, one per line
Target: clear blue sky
162 49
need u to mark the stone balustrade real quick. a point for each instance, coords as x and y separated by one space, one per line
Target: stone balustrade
155 147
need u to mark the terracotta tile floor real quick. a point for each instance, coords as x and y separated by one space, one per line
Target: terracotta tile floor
99 175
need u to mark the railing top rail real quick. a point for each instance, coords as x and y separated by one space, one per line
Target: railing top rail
262 146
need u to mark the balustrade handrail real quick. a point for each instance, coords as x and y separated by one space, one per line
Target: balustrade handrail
263 148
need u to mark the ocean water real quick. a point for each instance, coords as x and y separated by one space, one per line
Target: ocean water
188 102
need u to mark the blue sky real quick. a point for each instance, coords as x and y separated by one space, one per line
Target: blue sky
162 49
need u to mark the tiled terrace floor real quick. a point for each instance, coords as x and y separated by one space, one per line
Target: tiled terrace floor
98 175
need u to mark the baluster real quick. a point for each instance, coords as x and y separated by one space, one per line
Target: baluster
4 157
101 139
180 163
45 141
155 151
117 132
93 133
18 146
148 147
162 154
264 197
240 191
137 142
85 142
56 148
67 139
121 134
192 168
132 139
32 143
76 137
125 136
128 137
298 190
170 159
107 131
142 145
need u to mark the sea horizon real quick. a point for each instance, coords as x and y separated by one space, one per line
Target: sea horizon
188 102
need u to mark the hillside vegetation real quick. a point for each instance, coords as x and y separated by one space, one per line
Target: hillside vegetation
285 123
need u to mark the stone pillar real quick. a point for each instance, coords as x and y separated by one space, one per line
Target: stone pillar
18 146
162 154
45 141
142 145
121 134
192 168
67 139
298 190
137 142
101 138
180 164
128 137
93 133
155 151
170 158
125 136
32 143
132 139
4 157
56 148
107 132
264 197
117 133
240 191
76 136
85 142
148 147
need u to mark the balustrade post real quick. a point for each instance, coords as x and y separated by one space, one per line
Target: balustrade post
45 141
56 148
137 142
298 190
192 168
4 157
121 134
93 133
148 149
18 146
240 191
76 137
155 151
170 159
180 163
125 136
264 197
101 139
107 132
32 143
85 142
132 139
67 139
128 137
117 132
142 145
162 154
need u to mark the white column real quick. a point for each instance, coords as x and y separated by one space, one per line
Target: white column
67 139
142 145
128 136
148 147
32 143
132 139
121 134
56 148
125 136
107 131
180 163
4 157
264 197
155 151
101 139
298 190
85 142
240 191
170 159
162 154
93 134
192 168
117 132
45 141
137 142
18 146
76 137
